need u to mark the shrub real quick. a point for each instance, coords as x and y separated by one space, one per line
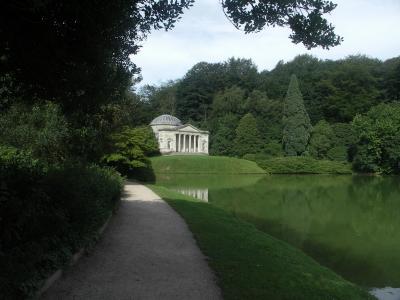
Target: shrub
273 149
40 130
322 140
378 139
338 153
131 147
46 215
302 165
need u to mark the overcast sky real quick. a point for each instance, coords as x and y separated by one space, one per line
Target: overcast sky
370 27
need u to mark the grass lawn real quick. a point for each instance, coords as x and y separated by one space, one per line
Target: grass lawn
251 264
203 164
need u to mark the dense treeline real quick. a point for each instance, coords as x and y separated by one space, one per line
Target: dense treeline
223 97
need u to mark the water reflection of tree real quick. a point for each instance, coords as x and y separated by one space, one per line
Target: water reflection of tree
351 224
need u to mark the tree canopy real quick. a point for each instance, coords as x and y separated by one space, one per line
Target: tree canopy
248 139
77 52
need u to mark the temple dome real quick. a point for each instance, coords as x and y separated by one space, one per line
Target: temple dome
166 120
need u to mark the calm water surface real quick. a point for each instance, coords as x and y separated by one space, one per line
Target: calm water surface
350 224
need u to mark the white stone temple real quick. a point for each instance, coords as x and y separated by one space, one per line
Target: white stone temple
175 138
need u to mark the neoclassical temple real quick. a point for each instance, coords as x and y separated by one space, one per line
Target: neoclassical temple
175 138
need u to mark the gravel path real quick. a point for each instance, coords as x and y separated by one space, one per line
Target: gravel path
146 252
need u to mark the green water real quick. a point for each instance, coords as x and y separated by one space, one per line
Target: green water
350 224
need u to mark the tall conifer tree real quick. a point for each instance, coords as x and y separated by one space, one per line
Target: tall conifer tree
296 122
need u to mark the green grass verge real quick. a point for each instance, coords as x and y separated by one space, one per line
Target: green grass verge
251 264
199 164
302 165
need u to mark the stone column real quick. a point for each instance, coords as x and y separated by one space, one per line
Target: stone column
190 143
186 143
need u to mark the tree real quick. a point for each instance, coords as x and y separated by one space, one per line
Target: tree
222 139
79 50
230 101
40 130
303 17
353 85
131 148
268 114
322 140
248 139
196 90
391 79
296 122
162 99
378 139
309 71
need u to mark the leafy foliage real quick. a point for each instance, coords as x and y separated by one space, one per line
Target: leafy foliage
303 17
296 123
222 140
322 140
78 51
41 130
273 148
43 221
302 165
378 139
132 146
248 138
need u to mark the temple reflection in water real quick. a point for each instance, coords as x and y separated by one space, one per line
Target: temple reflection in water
201 194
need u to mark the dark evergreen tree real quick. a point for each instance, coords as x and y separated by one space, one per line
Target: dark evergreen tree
248 139
296 122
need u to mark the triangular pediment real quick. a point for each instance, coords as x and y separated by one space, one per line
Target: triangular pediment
190 128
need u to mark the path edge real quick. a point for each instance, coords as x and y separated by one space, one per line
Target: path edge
73 260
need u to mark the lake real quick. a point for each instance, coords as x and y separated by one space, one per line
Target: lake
350 224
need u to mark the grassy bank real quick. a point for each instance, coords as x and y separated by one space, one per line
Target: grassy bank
253 265
300 165
198 164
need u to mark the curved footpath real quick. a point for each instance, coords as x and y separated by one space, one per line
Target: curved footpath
146 252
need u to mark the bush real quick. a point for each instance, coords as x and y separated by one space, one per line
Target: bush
322 140
302 165
43 220
273 149
338 153
378 139
40 130
131 147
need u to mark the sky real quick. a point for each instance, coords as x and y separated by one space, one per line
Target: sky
370 27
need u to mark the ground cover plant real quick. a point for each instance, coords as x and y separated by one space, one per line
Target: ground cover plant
251 264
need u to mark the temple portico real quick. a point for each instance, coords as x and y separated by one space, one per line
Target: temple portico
175 138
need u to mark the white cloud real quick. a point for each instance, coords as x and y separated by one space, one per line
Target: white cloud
370 27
